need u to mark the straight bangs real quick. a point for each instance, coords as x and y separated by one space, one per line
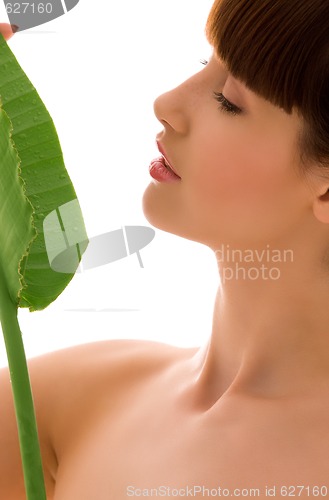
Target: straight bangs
277 48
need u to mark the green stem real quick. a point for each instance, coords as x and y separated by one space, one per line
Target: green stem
24 408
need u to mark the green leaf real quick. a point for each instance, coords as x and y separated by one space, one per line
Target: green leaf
47 184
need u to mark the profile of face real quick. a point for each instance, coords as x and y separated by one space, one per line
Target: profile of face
238 157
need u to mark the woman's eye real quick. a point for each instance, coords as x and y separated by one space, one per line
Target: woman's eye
226 105
204 62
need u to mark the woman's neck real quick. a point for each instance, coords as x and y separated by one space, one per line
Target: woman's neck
270 337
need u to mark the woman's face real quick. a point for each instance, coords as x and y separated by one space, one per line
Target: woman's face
240 179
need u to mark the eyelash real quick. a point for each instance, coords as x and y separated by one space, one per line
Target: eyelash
225 105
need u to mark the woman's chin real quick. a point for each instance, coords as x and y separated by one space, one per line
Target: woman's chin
162 213
159 212
153 212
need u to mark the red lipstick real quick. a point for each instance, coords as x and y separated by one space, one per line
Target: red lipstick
161 169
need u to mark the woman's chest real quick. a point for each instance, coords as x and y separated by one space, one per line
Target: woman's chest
158 453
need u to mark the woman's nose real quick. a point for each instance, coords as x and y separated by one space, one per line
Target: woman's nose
170 109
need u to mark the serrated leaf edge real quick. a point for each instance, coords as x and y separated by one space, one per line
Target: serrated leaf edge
22 182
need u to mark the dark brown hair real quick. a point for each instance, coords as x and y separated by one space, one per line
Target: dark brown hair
280 50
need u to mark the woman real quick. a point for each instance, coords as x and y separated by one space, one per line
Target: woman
246 414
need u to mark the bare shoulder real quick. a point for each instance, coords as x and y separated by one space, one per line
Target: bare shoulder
72 385
80 372
92 363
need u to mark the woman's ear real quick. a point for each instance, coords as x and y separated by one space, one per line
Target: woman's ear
8 30
321 205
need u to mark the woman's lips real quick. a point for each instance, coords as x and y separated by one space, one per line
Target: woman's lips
167 162
161 172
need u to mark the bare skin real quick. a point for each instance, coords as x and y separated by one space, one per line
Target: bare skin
7 30
249 409
122 416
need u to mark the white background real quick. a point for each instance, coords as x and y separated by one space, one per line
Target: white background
98 70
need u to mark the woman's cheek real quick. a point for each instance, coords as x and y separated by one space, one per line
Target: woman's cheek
224 171
239 187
